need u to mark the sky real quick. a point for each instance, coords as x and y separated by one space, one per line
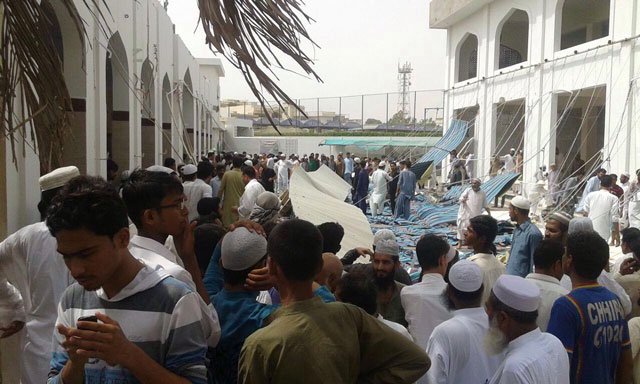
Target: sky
361 43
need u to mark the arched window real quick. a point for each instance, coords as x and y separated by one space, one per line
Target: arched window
583 21
514 39
467 61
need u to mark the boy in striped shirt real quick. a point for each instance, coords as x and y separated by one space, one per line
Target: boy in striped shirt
145 325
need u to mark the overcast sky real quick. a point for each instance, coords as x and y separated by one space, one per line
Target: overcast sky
361 43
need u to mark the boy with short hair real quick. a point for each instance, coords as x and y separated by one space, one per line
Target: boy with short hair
166 342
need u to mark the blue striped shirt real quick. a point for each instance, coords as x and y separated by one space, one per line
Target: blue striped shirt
158 313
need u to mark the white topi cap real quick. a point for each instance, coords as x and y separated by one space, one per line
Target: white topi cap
383 234
521 202
248 163
58 177
517 293
242 249
160 168
388 247
382 164
465 276
561 217
580 224
189 169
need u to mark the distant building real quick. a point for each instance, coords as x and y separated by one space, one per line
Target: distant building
555 78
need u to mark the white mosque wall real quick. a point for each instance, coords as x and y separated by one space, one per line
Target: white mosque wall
139 31
548 73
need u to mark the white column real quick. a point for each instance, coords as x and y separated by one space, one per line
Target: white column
96 101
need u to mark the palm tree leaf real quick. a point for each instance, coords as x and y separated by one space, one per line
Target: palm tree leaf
34 99
251 35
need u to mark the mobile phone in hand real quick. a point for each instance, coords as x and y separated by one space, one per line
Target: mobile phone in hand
91 318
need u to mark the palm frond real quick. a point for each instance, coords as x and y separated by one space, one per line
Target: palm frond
251 34
33 91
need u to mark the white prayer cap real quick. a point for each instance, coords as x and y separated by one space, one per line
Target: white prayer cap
465 276
268 200
248 163
451 253
562 217
357 160
625 174
58 177
383 234
189 169
242 249
517 293
160 168
580 224
521 202
382 164
512 150
388 247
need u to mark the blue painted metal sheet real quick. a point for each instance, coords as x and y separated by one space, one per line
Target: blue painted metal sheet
494 187
452 138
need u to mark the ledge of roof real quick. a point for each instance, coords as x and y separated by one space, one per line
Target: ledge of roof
212 62
445 13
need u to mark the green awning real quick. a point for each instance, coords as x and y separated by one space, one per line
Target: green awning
376 144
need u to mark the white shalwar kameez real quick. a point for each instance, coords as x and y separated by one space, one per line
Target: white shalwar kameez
457 352
252 190
379 178
509 163
471 205
30 261
603 209
533 358
282 170
632 205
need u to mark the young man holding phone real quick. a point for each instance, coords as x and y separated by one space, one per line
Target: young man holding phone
148 324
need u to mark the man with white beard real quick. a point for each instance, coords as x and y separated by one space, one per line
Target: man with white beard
455 346
532 356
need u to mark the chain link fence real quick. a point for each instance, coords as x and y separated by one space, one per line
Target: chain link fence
384 114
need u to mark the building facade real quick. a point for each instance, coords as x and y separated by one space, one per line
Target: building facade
557 79
138 96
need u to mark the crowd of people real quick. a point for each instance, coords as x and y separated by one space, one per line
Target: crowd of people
190 273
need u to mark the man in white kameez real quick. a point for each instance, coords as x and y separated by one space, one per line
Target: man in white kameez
379 179
282 171
632 202
472 201
29 260
532 356
593 185
603 208
252 189
469 166
456 346
552 185
509 161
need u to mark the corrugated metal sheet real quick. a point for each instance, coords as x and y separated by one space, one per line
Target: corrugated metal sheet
452 138
495 186
447 212
317 206
327 181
